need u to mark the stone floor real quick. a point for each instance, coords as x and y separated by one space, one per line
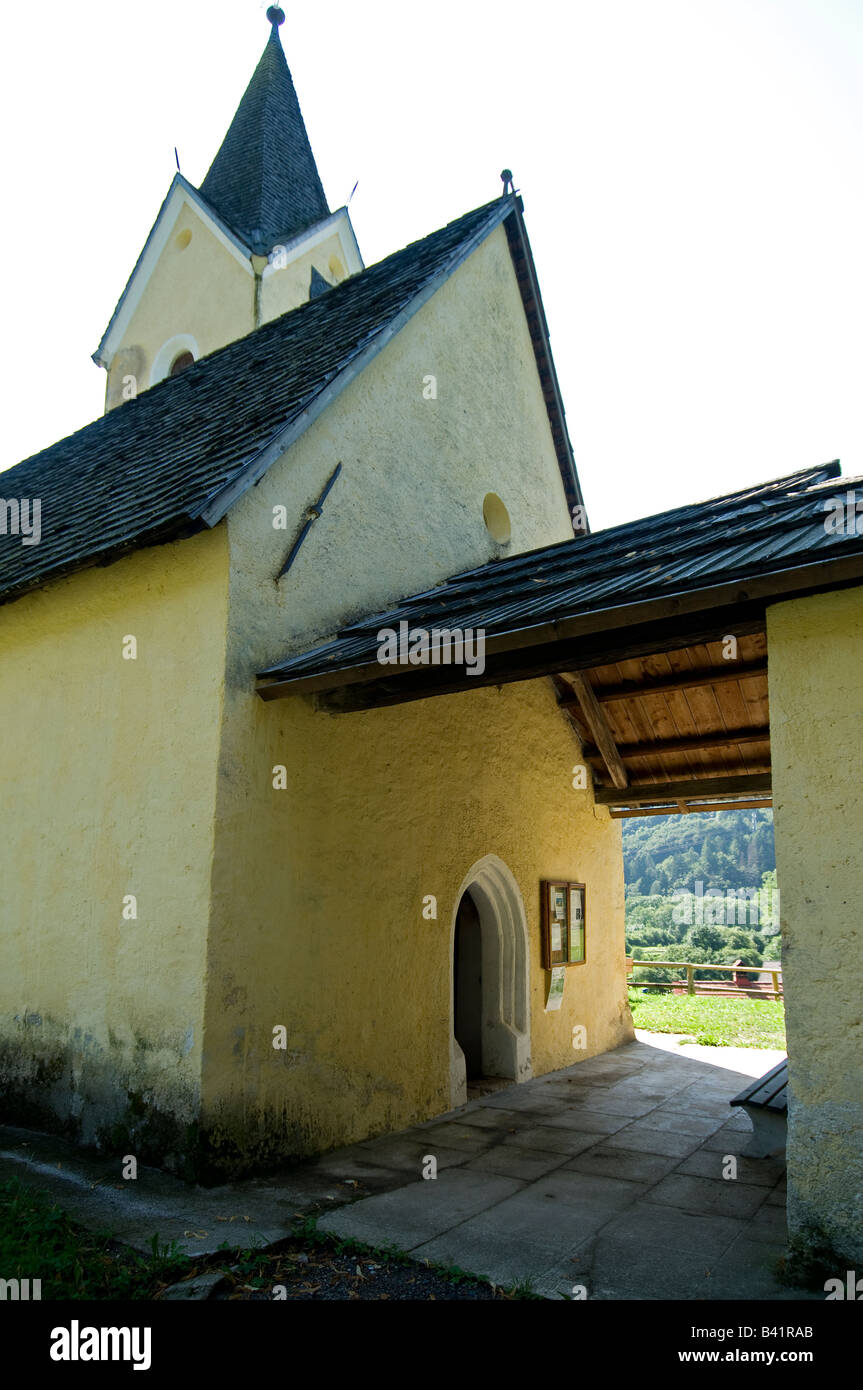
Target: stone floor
606 1177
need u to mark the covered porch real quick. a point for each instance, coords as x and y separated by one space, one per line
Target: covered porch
669 643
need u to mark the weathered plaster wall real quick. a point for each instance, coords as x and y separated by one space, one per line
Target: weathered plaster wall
406 511
816 704
288 287
317 904
317 913
109 773
202 290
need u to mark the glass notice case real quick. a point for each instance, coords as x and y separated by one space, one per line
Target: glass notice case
563 923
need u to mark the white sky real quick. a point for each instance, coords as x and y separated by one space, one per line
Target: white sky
690 171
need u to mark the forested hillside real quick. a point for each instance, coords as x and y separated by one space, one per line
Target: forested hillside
691 883
725 849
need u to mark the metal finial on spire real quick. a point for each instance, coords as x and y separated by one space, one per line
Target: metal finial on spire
275 16
506 180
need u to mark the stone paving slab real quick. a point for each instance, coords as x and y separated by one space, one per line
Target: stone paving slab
654 1141
587 1120
679 1121
508 1260
407 1152
455 1134
546 1221
731 1138
412 1215
619 1269
494 1119
709 1163
648 1226
699 1195
629 1106
515 1161
622 1163
522 1100
548 1138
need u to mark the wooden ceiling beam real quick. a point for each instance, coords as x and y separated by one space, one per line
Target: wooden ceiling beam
685 680
683 807
571 711
689 744
598 725
693 788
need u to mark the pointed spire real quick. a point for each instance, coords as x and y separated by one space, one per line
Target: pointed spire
264 181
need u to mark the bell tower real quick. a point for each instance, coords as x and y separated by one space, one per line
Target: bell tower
256 240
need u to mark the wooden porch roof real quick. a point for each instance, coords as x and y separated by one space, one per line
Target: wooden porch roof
631 626
675 731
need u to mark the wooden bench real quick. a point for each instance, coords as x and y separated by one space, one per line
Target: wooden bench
766 1104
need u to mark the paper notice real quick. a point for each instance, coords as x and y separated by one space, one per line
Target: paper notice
555 991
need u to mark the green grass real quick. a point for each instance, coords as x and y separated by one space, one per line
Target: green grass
39 1241
713 1022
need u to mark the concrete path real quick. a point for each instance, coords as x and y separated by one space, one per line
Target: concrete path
607 1176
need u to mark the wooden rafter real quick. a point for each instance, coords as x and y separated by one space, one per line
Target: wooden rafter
684 680
570 709
690 743
598 725
683 807
692 789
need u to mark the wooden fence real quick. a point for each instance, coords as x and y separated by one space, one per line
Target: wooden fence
752 990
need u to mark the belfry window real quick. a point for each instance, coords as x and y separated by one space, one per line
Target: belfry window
174 356
181 362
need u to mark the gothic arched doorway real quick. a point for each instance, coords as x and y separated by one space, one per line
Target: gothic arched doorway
490 1029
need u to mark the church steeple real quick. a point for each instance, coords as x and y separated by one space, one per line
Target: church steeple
264 181
256 240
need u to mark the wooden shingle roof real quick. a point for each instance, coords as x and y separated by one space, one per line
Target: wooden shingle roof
605 579
264 181
172 461
653 634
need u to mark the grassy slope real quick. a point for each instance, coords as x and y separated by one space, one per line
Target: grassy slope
717 1022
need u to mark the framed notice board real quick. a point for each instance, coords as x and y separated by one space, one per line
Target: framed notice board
563 923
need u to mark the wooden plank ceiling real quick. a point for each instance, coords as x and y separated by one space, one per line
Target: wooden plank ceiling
676 731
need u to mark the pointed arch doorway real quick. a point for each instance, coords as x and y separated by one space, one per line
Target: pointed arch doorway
490 1014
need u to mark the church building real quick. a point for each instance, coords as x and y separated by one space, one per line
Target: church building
243 943
332 703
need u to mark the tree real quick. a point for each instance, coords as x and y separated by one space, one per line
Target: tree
706 938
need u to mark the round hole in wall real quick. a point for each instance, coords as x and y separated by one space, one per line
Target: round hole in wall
496 518
183 239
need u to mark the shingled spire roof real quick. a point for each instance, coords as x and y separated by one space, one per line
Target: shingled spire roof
264 181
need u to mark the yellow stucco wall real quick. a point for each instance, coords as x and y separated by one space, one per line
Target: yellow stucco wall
318 909
286 288
317 906
816 703
259 907
406 511
202 290
108 776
